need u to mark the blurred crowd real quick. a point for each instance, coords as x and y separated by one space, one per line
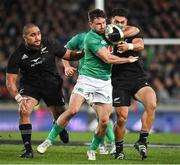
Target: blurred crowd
62 19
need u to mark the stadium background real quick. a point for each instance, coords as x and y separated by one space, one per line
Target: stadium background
63 19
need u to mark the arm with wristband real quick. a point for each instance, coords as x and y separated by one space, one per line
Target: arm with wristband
136 45
11 80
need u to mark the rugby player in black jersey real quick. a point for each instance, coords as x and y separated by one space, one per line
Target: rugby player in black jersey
129 80
34 63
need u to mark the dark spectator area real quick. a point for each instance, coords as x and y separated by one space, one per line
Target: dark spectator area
62 19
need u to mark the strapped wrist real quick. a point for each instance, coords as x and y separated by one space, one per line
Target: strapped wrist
130 46
18 98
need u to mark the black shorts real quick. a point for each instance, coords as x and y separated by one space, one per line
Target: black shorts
123 91
50 91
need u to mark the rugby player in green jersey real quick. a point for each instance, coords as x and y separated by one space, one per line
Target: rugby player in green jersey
94 79
77 43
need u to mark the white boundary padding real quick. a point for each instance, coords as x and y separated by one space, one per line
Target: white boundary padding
99 4
162 41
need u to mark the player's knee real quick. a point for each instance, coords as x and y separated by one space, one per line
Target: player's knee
121 119
73 111
121 116
151 106
104 121
25 114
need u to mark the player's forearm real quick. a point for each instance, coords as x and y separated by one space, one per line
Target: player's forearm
76 55
11 86
66 63
73 55
138 44
112 59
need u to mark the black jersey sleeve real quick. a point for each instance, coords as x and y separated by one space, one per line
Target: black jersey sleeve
58 49
13 63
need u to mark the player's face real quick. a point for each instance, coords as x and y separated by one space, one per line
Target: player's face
99 25
33 37
119 20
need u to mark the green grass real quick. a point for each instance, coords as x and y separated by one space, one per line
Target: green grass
77 154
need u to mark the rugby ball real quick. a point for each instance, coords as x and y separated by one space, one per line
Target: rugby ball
114 34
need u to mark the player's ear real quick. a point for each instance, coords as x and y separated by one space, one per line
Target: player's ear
90 24
24 38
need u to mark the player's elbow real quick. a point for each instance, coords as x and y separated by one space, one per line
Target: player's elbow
141 46
107 60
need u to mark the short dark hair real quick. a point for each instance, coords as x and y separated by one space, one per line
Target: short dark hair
27 27
93 14
119 12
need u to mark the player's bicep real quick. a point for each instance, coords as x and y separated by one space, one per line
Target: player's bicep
130 31
13 64
67 54
138 44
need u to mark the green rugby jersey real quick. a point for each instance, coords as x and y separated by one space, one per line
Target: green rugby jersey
77 43
94 66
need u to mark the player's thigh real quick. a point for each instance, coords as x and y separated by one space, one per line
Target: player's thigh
30 91
121 97
30 104
53 96
56 110
103 93
75 103
84 87
103 111
32 94
147 96
121 112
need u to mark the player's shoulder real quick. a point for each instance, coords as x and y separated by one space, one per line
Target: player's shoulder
50 42
79 36
92 36
47 41
19 50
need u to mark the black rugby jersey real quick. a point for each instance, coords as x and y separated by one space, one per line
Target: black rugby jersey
128 71
36 65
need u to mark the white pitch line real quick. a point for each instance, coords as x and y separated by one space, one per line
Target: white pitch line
150 145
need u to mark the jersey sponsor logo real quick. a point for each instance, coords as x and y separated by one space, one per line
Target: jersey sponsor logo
36 61
126 40
110 49
24 57
43 50
78 90
108 98
21 91
103 42
117 100
81 90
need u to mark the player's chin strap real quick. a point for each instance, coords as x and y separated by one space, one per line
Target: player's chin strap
19 98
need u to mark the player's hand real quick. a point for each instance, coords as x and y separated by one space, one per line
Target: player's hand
69 71
132 59
122 46
23 105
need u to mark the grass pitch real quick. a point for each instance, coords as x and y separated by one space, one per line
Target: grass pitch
67 154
